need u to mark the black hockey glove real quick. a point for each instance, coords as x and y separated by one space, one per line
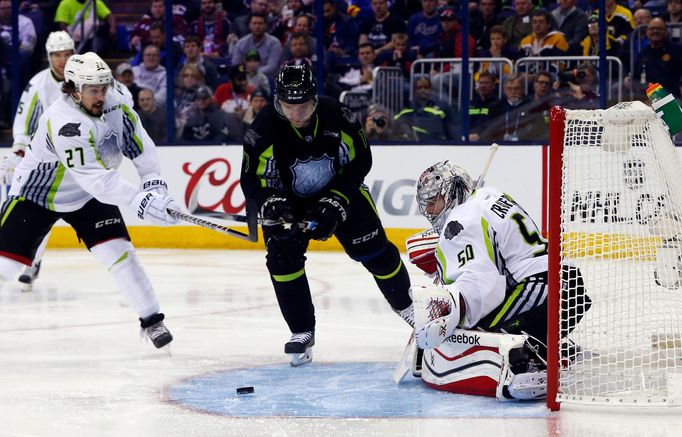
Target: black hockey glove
277 208
325 215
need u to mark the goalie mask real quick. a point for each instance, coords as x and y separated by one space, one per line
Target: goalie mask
440 188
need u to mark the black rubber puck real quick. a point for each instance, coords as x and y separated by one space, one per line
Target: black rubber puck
244 390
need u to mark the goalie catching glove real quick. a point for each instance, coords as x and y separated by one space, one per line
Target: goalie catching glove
154 207
278 208
325 216
437 313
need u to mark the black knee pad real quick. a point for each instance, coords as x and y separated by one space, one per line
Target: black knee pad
382 262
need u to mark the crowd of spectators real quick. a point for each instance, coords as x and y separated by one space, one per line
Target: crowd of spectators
224 55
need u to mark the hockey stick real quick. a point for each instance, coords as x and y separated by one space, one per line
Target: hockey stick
486 166
251 236
405 362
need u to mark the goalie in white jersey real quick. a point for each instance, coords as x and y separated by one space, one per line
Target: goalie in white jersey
484 327
69 172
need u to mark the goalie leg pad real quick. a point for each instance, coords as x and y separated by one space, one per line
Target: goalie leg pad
483 364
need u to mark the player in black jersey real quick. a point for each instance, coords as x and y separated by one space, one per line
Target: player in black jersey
305 159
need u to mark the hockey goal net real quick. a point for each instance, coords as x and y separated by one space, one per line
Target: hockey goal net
615 231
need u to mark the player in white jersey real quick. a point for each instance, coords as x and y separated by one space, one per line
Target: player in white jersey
41 91
69 172
491 270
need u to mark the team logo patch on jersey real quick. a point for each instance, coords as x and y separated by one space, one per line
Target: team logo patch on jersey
70 130
452 229
312 175
349 115
250 137
109 150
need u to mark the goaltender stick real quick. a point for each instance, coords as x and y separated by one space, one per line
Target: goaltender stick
483 329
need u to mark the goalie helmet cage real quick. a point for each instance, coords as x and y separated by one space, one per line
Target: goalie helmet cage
615 219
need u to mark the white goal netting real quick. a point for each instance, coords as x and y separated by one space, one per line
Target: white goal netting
621 220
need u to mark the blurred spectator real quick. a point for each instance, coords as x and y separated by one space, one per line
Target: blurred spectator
498 49
579 88
152 116
479 107
541 102
674 16
360 79
660 62
302 26
518 26
572 22
407 8
379 29
140 37
234 96
125 75
619 23
212 29
27 31
380 126
150 74
507 116
241 23
483 19
27 43
449 38
193 56
190 79
401 56
291 10
431 120
423 27
208 123
257 101
590 45
68 10
543 41
255 77
340 33
298 50
642 18
157 37
269 47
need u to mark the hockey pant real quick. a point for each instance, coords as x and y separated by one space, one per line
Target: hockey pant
364 240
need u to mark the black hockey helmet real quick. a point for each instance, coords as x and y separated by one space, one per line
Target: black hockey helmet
295 84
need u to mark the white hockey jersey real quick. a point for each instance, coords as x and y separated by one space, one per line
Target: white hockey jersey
488 245
40 92
73 156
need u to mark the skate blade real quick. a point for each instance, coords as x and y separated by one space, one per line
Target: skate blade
26 288
300 359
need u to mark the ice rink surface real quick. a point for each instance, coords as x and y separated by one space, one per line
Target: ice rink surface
72 363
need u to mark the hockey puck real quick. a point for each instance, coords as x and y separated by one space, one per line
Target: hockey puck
244 390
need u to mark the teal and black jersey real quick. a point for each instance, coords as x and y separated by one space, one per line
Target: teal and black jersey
331 153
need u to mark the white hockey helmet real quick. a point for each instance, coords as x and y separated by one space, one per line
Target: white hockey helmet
58 41
446 180
87 69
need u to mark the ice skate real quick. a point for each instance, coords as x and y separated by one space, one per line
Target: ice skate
299 347
30 274
155 330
